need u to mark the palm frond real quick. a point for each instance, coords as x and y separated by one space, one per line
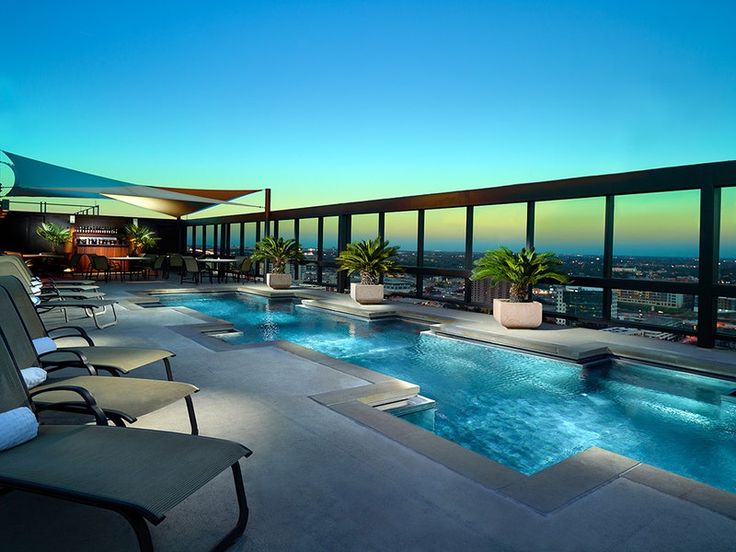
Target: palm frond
279 251
522 270
370 258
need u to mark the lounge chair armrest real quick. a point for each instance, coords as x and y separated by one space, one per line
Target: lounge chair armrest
89 401
78 360
81 333
47 294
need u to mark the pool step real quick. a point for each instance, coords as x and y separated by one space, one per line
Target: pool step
413 404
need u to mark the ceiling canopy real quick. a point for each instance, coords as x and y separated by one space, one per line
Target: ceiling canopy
38 179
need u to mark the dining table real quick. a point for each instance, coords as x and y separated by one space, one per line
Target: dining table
221 266
128 260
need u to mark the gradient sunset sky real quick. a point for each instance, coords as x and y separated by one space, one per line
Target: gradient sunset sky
329 102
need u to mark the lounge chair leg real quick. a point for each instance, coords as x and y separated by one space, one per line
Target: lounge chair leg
192 415
140 527
239 528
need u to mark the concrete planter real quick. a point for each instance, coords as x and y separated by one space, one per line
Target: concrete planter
278 281
365 294
517 315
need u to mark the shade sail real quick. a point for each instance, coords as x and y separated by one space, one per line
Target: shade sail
38 179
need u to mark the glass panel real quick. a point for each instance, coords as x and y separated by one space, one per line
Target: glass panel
329 239
583 302
286 229
234 239
262 226
363 227
574 230
401 230
308 273
400 284
250 237
727 262
727 316
483 292
444 238
198 239
308 239
210 239
658 308
497 225
190 238
656 236
444 288
329 276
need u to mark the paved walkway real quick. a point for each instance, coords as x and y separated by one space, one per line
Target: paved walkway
319 480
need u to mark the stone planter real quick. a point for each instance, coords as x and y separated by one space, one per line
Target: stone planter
517 315
278 281
366 294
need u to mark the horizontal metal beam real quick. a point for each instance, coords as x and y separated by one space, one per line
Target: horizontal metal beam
722 173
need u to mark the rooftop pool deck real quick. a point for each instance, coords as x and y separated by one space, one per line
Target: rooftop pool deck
331 467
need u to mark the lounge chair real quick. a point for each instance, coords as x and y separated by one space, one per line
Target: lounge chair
46 301
123 400
37 289
140 474
79 285
116 360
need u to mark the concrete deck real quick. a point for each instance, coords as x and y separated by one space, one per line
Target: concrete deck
331 473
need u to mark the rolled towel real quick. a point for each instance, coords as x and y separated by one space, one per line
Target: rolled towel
33 376
35 300
44 345
16 427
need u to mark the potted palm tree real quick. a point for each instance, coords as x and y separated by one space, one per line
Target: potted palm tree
55 234
140 238
522 270
279 252
370 258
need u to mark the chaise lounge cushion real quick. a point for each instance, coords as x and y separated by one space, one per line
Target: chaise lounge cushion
44 345
17 426
33 376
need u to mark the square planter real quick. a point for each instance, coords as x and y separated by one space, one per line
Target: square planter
517 315
278 281
365 294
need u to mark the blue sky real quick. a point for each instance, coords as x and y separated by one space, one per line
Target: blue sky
338 101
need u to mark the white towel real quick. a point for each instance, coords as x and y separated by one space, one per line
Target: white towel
44 345
35 300
33 376
16 427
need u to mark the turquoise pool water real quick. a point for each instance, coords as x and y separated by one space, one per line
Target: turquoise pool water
527 412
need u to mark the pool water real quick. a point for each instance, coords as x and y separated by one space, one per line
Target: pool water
527 412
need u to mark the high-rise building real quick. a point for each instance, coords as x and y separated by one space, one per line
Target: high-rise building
650 298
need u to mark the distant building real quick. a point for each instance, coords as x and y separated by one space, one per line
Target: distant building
650 298
484 292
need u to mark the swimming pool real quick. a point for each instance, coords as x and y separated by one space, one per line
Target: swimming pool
527 412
